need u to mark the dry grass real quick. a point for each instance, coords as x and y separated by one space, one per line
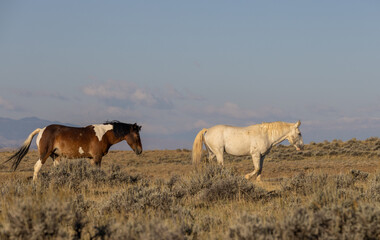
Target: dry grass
331 190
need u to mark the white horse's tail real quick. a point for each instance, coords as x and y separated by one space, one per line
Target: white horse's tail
197 146
18 156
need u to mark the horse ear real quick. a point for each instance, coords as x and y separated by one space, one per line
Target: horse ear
137 127
298 123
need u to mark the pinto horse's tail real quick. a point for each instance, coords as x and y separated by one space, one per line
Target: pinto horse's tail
197 146
20 154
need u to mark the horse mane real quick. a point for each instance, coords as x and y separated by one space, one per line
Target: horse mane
275 127
120 129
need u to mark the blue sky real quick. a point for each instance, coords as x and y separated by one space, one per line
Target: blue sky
176 67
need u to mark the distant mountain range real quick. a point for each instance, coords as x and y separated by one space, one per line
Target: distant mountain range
14 132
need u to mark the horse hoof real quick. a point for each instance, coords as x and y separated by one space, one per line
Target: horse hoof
247 177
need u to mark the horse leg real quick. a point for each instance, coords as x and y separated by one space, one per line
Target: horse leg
38 166
99 164
97 160
215 151
40 162
211 155
256 164
258 178
219 157
56 161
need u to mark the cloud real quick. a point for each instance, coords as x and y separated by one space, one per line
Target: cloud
234 111
120 112
130 94
171 92
353 123
6 105
157 129
322 110
110 89
52 95
228 109
127 94
201 124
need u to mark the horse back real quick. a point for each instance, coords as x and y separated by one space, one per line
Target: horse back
234 140
68 133
67 140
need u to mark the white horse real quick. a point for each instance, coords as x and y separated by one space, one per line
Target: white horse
255 140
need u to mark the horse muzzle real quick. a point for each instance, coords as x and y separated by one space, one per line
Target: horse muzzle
138 151
299 147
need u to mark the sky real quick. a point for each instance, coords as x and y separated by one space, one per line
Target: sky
176 67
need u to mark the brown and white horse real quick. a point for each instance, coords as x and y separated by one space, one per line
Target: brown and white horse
92 142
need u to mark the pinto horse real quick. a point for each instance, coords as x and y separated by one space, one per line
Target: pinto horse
255 140
91 142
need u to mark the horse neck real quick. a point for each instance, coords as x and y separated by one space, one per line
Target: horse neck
112 139
277 134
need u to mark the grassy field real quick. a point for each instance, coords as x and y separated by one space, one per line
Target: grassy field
330 190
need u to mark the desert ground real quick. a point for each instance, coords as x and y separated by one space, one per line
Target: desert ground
328 190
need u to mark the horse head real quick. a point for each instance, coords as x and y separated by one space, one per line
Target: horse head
295 137
133 138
